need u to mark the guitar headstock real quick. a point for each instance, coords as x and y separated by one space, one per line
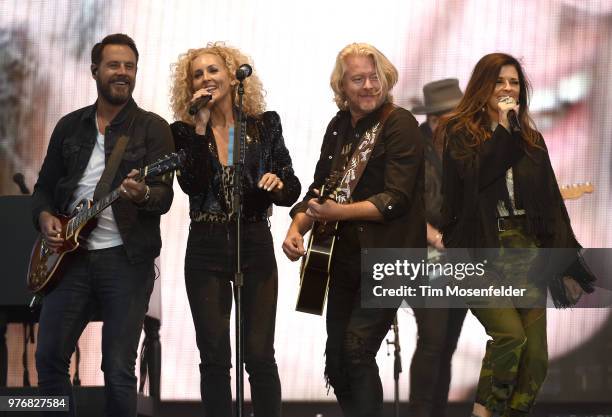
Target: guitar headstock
575 191
166 164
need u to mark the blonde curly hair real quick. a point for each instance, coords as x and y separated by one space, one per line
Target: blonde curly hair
181 90
385 70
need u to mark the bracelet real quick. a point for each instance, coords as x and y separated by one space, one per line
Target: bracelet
146 196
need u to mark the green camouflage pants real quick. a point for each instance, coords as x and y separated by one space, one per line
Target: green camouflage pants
516 358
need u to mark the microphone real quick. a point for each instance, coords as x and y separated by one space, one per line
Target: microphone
514 121
198 104
20 181
244 71
515 126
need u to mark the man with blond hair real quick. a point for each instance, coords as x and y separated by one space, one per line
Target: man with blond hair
383 208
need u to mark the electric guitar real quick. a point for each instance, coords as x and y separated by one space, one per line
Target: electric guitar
314 273
47 266
575 191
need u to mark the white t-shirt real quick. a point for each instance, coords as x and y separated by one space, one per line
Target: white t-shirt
106 234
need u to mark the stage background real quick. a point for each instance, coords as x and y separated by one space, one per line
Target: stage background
565 46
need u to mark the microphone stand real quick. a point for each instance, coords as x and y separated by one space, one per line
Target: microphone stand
397 365
23 188
28 325
238 275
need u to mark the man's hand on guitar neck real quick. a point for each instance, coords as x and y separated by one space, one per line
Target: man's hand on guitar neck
51 229
330 211
134 189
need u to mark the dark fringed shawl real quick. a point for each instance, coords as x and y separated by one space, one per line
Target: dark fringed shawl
578 270
475 180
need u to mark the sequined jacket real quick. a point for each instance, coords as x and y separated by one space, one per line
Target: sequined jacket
201 175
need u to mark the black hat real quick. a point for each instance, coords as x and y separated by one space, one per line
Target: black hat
440 96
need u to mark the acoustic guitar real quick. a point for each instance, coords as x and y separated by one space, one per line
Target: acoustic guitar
47 266
314 273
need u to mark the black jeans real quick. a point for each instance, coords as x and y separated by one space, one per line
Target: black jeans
430 370
105 281
354 335
209 270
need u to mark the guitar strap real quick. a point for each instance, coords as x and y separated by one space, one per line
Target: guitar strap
358 161
106 179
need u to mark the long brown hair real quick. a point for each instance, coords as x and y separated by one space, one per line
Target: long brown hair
470 122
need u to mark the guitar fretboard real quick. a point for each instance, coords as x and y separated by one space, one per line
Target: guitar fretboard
166 164
89 213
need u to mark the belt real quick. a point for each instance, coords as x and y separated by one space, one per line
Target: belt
509 223
223 218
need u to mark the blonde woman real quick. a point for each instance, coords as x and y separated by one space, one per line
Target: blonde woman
208 179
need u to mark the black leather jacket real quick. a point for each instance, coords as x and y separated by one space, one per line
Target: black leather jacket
201 175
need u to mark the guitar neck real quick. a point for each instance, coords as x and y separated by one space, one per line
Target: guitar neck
103 203
321 197
86 215
575 191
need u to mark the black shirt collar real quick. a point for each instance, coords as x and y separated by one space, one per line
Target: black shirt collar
365 122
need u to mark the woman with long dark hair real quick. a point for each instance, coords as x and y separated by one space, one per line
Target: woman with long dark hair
499 190
208 177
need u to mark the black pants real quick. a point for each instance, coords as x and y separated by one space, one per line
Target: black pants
105 280
209 270
430 370
354 335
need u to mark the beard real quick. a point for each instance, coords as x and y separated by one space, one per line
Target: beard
105 90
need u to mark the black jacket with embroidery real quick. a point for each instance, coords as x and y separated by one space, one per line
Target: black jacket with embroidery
393 179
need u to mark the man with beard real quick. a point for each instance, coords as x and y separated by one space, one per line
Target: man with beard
382 209
113 272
